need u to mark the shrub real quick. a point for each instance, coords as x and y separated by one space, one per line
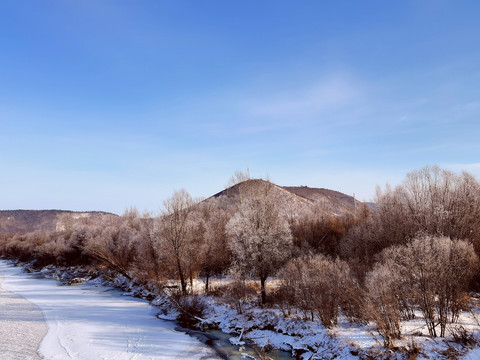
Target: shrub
431 272
191 308
462 336
319 286
382 306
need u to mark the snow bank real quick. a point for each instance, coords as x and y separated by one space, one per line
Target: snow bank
268 328
87 322
310 340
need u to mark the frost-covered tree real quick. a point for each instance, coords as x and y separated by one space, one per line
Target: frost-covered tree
440 271
431 272
431 200
149 251
212 253
260 235
382 304
114 241
173 229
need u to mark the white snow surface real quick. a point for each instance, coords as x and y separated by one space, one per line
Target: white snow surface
88 322
22 326
99 322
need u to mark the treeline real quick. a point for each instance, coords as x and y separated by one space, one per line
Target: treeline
417 250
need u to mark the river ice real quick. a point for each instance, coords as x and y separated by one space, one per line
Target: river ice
22 326
85 322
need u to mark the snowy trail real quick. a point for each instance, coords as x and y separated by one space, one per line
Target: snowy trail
87 322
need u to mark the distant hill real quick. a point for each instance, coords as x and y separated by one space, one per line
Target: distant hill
293 200
23 221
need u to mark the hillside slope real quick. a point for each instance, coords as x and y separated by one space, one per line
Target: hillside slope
293 200
23 221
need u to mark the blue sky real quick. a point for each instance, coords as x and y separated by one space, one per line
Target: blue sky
110 104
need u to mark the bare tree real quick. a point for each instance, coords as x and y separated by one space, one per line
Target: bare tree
440 271
319 285
430 200
432 272
150 254
260 236
193 248
213 252
238 177
382 301
113 242
172 231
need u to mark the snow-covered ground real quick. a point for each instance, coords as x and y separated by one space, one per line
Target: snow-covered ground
310 340
22 326
87 322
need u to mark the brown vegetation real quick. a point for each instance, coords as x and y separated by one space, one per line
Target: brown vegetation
417 250
25 221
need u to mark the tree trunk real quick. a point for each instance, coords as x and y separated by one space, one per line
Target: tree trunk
183 283
207 276
264 293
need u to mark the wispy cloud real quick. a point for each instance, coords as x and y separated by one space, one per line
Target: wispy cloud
326 93
255 109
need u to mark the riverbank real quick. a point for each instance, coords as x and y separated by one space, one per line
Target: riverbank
88 322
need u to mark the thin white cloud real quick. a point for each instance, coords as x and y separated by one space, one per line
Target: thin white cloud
330 92
257 109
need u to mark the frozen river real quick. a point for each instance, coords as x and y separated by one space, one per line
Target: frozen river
22 326
83 322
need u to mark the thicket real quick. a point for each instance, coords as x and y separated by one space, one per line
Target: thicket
321 287
430 200
416 250
429 273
